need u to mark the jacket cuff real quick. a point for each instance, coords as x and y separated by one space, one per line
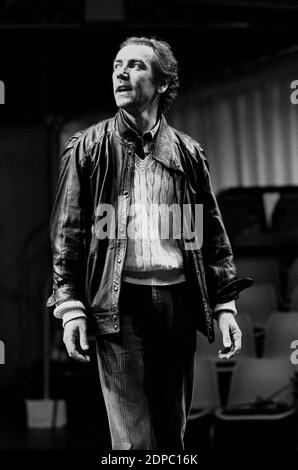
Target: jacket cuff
62 294
68 306
227 307
232 289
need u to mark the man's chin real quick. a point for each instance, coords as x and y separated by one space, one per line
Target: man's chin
122 101
127 106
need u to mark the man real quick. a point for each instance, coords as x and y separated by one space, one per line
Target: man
146 293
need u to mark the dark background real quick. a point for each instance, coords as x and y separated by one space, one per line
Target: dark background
55 61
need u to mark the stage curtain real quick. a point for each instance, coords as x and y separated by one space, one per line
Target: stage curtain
246 123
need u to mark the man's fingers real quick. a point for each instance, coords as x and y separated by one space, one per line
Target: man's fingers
74 353
228 355
77 356
83 337
231 337
237 340
226 337
234 348
71 340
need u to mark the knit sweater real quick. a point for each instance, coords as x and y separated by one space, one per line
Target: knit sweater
153 256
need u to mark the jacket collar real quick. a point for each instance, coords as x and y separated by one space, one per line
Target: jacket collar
165 151
129 133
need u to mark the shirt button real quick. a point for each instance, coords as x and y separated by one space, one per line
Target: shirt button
114 317
116 289
125 192
121 229
116 327
118 260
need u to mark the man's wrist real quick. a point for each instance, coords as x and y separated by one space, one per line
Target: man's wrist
227 307
74 315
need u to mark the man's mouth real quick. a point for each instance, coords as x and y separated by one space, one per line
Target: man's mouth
123 89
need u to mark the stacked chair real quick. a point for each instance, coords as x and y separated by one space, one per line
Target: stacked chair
260 411
206 399
281 337
253 397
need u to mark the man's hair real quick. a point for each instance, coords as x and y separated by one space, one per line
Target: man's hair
165 67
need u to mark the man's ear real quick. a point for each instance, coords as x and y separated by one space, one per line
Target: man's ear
163 87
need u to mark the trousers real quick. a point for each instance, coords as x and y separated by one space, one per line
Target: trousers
147 369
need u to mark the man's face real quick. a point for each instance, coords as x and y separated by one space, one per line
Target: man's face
133 83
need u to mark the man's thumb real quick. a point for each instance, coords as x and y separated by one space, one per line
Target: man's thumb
83 339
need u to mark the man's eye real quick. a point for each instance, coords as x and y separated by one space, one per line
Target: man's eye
116 66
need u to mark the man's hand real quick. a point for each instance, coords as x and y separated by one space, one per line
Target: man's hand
75 339
231 335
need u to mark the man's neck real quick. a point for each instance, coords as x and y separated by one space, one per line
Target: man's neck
143 122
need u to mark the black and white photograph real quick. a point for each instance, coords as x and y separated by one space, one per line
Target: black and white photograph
149 233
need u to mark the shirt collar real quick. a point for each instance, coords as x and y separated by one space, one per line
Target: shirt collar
165 151
127 130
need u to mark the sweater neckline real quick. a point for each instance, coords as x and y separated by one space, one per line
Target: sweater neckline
143 164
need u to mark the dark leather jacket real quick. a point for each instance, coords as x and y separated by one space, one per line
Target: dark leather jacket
96 168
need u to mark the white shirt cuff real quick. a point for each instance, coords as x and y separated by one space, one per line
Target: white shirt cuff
72 315
67 306
228 306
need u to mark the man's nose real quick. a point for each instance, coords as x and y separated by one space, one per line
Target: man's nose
122 72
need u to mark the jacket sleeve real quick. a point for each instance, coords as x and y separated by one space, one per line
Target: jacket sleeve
70 226
220 271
